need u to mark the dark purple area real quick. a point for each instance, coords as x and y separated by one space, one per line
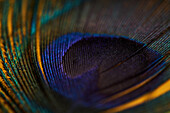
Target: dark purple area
88 67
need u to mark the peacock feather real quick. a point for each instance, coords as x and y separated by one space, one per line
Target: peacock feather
84 56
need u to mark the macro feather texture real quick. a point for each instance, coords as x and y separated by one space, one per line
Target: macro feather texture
84 56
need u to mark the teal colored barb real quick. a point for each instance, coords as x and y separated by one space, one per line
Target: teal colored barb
47 17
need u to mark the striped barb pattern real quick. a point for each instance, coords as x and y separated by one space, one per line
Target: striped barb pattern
84 56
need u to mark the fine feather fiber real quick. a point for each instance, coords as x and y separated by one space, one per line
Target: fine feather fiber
84 56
